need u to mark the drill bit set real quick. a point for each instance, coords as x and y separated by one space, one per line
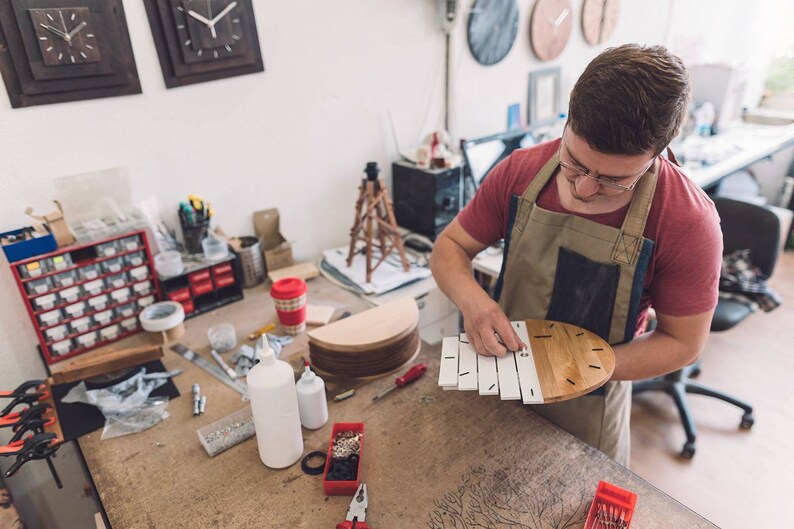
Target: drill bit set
612 508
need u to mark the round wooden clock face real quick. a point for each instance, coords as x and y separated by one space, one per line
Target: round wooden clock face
550 27
599 19
492 29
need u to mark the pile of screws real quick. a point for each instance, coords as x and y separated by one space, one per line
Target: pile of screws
345 452
228 436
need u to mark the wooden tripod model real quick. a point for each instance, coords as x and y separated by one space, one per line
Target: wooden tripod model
378 215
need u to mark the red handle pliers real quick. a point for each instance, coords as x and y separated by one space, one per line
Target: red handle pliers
357 511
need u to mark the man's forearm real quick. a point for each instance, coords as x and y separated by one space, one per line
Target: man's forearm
452 271
651 355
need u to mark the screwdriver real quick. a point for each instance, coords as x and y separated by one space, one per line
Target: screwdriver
412 374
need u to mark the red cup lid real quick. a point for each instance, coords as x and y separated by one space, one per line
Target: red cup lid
288 288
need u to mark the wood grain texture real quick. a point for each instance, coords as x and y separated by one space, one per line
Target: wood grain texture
432 459
106 362
564 355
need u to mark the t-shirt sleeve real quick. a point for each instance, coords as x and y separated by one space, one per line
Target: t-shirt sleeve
686 282
485 217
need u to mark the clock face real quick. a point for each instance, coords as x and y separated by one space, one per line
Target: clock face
208 30
492 29
550 27
65 36
599 19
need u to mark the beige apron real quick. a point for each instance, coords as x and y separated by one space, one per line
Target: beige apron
566 268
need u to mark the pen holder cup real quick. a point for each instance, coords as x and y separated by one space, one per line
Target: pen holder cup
193 235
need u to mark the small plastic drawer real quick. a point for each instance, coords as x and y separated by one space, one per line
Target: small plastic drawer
126 311
129 243
188 306
113 266
121 295
221 269
346 487
107 249
198 289
129 324
75 310
89 272
183 294
56 333
111 332
60 262
81 325
61 348
99 302
53 317
135 259
65 279
104 317
199 277
224 281
139 273
71 294
34 269
141 289
92 288
45 302
145 302
118 280
39 286
88 339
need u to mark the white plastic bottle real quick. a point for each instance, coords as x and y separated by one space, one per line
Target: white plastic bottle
312 402
274 403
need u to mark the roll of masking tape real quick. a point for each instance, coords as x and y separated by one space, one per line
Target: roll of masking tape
165 317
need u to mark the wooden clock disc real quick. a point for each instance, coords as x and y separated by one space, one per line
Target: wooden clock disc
570 361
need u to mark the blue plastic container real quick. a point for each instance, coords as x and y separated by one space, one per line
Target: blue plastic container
28 248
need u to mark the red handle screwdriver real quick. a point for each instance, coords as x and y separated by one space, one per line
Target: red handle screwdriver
412 374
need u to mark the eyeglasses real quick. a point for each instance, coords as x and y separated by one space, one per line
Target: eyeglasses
602 180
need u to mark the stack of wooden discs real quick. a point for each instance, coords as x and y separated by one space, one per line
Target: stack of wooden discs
369 343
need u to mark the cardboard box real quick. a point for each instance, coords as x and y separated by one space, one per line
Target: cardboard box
277 250
56 223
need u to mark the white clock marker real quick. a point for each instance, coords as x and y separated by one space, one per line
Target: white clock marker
50 48
181 26
72 19
89 46
187 42
72 57
60 56
236 37
90 35
42 38
83 55
215 53
199 52
50 17
228 48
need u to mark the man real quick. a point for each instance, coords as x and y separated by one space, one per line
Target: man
598 227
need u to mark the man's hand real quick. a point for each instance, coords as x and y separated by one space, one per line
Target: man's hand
488 329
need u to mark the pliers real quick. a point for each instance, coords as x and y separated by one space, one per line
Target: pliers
357 511
22 395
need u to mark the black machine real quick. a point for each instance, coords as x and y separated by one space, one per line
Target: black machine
426 200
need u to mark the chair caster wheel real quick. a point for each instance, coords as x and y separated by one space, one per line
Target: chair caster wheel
695 372
747 421
689 451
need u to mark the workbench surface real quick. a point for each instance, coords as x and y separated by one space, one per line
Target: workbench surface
431 458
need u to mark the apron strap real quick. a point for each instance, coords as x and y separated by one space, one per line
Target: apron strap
629 240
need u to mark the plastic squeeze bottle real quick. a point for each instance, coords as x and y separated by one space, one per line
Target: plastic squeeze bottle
274 404
312 403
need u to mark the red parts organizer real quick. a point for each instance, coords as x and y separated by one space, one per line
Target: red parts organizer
204 285
85 296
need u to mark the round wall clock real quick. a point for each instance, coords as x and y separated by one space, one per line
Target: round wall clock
492 29
550 28
599 19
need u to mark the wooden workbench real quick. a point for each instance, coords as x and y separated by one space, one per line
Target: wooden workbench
431 458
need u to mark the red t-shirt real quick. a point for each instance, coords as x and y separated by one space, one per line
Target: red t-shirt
683 273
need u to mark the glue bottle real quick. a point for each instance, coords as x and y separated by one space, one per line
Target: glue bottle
312 402
274 404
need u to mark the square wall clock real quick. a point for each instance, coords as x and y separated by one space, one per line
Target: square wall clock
203 40
53 51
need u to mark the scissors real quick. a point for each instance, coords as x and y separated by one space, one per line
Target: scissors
357 511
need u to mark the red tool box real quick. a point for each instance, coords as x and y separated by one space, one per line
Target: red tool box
343 488
612 507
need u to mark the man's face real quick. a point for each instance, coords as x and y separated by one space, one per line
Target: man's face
592 175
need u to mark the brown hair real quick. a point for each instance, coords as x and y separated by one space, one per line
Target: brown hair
630 100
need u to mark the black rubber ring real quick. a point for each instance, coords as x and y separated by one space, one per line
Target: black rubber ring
313 471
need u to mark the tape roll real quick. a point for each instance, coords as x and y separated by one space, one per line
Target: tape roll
162 316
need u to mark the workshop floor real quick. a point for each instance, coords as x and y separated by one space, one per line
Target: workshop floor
737 478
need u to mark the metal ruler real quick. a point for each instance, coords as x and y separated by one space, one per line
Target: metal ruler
237 385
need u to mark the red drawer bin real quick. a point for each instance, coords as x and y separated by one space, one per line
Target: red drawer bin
201 288
343 488
221 269
199 277
183 294
224 281
615 505
188 306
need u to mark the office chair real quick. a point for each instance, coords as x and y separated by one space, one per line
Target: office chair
744 225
